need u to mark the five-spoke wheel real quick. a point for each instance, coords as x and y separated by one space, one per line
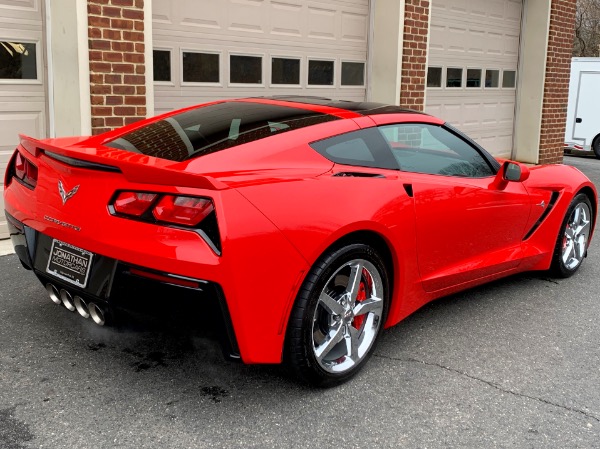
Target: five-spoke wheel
338 315
348 315
573 238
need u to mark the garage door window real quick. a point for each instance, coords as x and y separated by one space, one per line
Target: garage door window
18 61
454 77
161 62
473 77
509 79
320 73
285 71
434 77
245 69
492 78
200 67
353 73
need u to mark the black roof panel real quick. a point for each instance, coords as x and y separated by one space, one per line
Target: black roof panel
360 107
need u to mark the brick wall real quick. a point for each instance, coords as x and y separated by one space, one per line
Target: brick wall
117 63
556 88
414 54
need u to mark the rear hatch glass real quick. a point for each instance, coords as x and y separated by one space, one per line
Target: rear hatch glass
213 128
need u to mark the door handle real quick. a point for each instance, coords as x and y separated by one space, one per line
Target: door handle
578 120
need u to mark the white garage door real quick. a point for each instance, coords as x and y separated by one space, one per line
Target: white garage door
22 90
210 49
472 68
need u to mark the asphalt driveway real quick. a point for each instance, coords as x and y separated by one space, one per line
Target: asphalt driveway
513 364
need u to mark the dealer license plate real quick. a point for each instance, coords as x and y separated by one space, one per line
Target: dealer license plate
69 263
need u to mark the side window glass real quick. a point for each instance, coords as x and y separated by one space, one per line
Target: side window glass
355 149
363 148
431 149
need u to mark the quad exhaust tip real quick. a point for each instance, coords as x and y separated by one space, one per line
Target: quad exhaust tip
72 303
67 300
53 293
96 313
81 306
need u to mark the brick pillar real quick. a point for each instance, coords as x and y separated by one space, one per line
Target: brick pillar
117 63
414 54
556 87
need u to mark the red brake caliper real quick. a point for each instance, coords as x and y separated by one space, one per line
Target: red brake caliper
360 297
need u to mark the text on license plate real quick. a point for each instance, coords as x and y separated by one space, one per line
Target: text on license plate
69 263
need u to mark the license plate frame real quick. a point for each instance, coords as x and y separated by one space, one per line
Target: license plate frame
69 263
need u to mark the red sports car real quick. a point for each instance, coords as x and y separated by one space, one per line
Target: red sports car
312 224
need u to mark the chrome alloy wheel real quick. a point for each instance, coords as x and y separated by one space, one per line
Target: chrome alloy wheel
576 236
348 316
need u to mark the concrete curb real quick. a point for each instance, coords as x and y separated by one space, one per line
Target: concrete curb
6 247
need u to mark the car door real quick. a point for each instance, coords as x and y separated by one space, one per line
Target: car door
467 227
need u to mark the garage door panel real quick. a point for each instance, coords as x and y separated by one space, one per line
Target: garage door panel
355 27
319 23
247 16
22 101
284 19
27 11
451 39
14 123
484 35
326 30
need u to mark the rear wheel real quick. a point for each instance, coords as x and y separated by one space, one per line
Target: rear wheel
571 245
338 315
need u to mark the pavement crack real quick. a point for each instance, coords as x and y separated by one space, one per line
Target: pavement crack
491 384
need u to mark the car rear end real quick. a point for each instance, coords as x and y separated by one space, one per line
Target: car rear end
162 228
100 242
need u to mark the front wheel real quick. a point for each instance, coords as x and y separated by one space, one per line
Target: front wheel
573 237
338 315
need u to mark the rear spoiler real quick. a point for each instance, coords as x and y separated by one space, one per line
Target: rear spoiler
135 167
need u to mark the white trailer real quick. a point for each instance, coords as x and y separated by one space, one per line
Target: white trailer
583 111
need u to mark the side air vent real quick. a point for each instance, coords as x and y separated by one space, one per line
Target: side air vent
537 224
354 174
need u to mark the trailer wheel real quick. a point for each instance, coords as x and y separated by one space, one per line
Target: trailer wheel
596 146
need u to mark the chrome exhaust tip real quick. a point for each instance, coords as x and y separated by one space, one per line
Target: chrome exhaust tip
54 294
67 300
81 306
96 313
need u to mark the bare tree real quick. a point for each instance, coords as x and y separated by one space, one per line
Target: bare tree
587 28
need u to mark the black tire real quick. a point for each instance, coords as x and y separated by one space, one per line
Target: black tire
596 146
312 318
559 267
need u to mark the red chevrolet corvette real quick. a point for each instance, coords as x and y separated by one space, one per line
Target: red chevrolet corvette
312 224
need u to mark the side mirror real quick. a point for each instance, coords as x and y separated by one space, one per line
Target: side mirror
510 172
514 171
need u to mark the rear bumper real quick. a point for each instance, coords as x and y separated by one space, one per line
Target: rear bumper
259 270
126 292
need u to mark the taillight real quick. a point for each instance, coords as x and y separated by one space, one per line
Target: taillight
20 166
193 212
133 203
162 208
24 171
183 210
